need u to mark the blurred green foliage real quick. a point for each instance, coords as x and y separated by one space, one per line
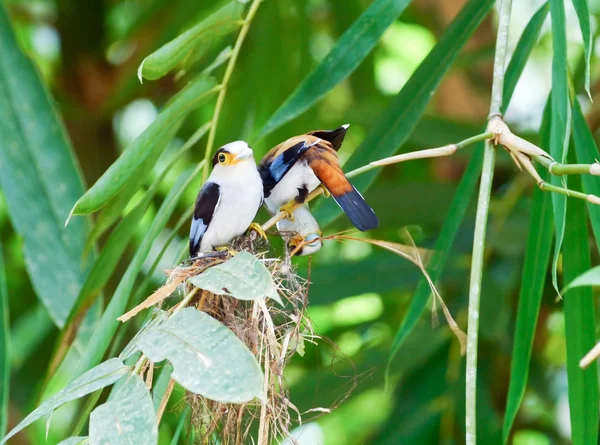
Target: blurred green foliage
88 54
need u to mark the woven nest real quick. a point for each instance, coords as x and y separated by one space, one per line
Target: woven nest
272 333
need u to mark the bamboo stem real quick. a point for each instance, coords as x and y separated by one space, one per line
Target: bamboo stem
483 204
228 72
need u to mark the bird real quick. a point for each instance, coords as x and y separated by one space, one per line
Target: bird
296 167
228 201
303 229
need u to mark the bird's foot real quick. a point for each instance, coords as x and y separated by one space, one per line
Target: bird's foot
258 229
288 209
326 193
220 250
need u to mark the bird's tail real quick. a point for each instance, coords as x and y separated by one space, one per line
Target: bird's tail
357 209
334 137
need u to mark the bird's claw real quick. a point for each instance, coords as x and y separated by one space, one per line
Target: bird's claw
288 209
258 229
326 192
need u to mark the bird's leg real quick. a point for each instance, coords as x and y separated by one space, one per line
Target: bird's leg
258 229
288 209
326 192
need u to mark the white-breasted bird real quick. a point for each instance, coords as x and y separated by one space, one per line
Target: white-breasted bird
228 201
302 229
294 168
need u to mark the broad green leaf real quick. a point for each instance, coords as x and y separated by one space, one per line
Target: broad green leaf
243 277
309 433
194 42
96 378
583 14
351 48
587 153
77 440
539 245
128 418
149 145
208 359
443 246
537 256
527 41
561 122
108 324
589 278
394 125
4 348
580 327
38 178
158 317
27 333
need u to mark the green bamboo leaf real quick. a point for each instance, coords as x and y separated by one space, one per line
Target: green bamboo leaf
456 214
149 145
108 324
527 41
99 377
194 42
208 359
351 48
583 14
587 153
589 278
580 327
127 418
539 244
114 208
4 348
561 121
243 277
38 178
396 123
77 440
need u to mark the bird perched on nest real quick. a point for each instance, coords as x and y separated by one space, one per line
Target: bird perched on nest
294 168
228 201
302 235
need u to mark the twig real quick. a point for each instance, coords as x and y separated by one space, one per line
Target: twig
483 204
165 400
228 72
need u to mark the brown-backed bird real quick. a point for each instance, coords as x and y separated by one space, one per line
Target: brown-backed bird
228 201
294 168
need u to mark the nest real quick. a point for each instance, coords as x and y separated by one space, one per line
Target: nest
272 333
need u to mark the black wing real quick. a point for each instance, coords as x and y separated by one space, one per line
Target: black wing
334 137
206 205
272 172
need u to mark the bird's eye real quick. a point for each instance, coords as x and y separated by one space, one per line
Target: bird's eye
222 158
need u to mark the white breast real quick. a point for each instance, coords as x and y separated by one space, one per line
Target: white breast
241 193
299 176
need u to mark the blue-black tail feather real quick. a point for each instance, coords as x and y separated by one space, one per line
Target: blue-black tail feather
357 210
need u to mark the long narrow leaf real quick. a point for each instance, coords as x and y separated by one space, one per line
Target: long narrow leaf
583 14
108 323
580 327
539 245
587 153
351 48
561 121
145 146
39 177
528 39
4 348
397 122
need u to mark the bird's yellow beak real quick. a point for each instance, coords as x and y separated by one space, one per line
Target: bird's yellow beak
244 154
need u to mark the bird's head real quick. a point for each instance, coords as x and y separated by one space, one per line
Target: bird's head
233 154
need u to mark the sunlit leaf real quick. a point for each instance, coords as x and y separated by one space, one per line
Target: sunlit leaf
195 41
243 277
351 48
128 418
589 278
78 440
394 125
96 378
149 145
39 178
208 359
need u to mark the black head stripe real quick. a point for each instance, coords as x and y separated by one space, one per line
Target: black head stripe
215 158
